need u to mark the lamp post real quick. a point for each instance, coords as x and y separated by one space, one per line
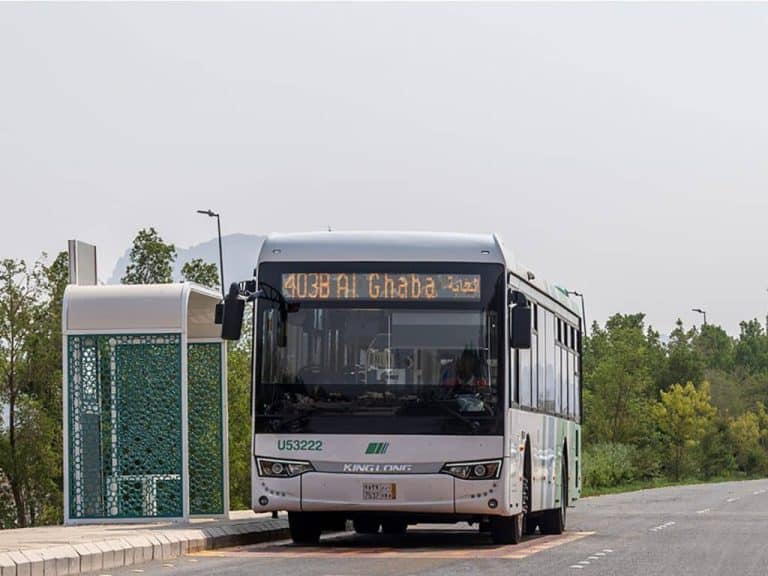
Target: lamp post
702 312
583 310
212 214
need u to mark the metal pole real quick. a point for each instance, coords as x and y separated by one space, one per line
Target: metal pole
221 256
210 213
583 310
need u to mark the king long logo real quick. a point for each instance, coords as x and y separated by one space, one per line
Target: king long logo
377 448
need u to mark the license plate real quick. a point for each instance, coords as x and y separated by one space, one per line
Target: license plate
379 491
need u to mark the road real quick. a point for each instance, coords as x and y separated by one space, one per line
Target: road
690 530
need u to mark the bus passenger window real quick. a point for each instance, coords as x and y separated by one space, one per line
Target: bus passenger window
558 374
545 333
550 391
569 384
524 376
535 360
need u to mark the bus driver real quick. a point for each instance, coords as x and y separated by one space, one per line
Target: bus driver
465 375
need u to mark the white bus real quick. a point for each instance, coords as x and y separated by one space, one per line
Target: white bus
403 378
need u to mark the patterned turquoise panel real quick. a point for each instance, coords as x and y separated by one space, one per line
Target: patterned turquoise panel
125 426
206 429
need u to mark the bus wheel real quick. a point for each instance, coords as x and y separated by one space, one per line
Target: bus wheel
553 521
507 529
394 527
365 525
305 528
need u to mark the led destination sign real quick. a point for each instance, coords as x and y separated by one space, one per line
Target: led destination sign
380 286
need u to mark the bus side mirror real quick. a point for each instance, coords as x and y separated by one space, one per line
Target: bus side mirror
232 315
520 323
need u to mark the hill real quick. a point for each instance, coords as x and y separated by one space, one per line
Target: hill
240 254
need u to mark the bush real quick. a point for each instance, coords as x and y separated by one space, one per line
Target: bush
609 464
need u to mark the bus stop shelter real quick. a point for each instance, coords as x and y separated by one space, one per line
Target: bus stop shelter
145 404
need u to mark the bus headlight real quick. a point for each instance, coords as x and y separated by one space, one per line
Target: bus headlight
480 470
272 468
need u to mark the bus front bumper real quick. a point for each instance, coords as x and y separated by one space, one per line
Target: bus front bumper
422 493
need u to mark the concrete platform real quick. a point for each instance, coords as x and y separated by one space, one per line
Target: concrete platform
60 550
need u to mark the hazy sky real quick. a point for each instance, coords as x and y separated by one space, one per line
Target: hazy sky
618 149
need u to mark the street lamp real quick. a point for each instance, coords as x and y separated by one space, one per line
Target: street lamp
702 312
583 311
213 214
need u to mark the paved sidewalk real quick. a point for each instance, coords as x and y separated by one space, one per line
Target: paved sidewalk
59 550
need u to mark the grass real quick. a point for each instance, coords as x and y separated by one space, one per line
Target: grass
658 483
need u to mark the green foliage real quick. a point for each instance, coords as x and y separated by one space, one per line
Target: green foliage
618 380
239 394
750 435
30 385
714 347
692 408
609 464
204 273
684 416
716 451
751 350
151 259
684 362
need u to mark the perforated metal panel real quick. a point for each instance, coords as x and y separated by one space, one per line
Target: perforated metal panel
206 429
125 437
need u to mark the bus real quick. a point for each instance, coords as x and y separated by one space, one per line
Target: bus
405 378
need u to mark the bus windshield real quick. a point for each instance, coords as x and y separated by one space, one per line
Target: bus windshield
415 367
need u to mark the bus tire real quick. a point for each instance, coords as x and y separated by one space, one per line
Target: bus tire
365 525
305 528
553 521
394 527
507 529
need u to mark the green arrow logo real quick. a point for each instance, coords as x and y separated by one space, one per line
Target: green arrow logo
377 448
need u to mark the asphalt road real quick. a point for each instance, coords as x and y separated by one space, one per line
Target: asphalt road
718 529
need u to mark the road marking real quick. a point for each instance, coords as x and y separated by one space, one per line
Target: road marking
758 492
732 500
576 566
593 558
662 526
350 546
585 562
599 553
703 511
607 550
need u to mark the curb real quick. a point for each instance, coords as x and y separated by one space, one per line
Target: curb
147 545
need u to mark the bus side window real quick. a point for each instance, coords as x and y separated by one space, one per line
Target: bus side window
576 370
567 380
558 375
534 365
524 376
545 333
549 404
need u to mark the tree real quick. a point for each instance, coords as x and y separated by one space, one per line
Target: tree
751 350
239 395
684 415
151 259
20 293
684 362
204 273
30 385
715 347
618 380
